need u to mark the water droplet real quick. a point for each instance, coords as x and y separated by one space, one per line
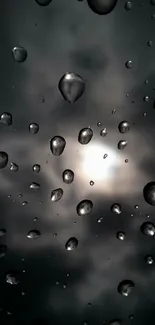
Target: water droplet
128 5
131 317
120 235
13 167
2 232
125 287
123 127
146 99
19 54
149 260
99 220
64 286
3 249
68 176
57 145
43 2
144 114
149 193
34 128
91 183
114 111
116 208
136 206
33 234
36 168
11 278
56 195
55 235
3 159
103 132
102 7
126 161
150 43
115 322
105 156
71 244
122 144
35 219
85 135
6 118
71 86
34 186
148 228
24 203
128 64
84 207
99 124
23 293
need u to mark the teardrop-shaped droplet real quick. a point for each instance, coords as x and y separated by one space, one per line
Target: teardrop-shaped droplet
33 234
122 144
115 322
85 135
128 5
68 176
34 186
99 220
102 7
71 86
149 259
34 128
120 235
148 228
36 168
3 159
149 193
103 132
19 54
123 127
2 232
13 167
116 208
128 64
56 195
71 244
84 207
57 145
3 249
43 2
12 278
6 118
125 287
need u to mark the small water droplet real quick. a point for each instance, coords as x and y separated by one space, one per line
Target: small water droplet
105 156
150 43
12 278
128 5
34 128
57 145
84 207
42 99
131 317
71 244
102 7
56 195
64 286
33 234
99 220
128 64
6 118
146 99
120 235
148 228
34 186
103 132
35 219
19 54
149 259
91 183
126 161
3 249
13 167
55 235
36 168
68 176
114 111
71 86
23 293
115 322
99 124
116 208
24 203
147 216
20 195
85 135
123 127
144 114
149 193
3 159
68 274
136 206
2 232
122 144
125 287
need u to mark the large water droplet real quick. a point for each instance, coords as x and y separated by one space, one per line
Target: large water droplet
116 208
123 127
68 176
120 235
2 232
3 249
122 144
148 228
3 159
12 278
19 54
115 322
34 128
13 167
36 168
85 135
6 118
71 244
71 86
84 207
102 7
56 195
57 145
33 234
149 259
128 5
34 186
149 193
125 287
103 132
43 2
128 64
